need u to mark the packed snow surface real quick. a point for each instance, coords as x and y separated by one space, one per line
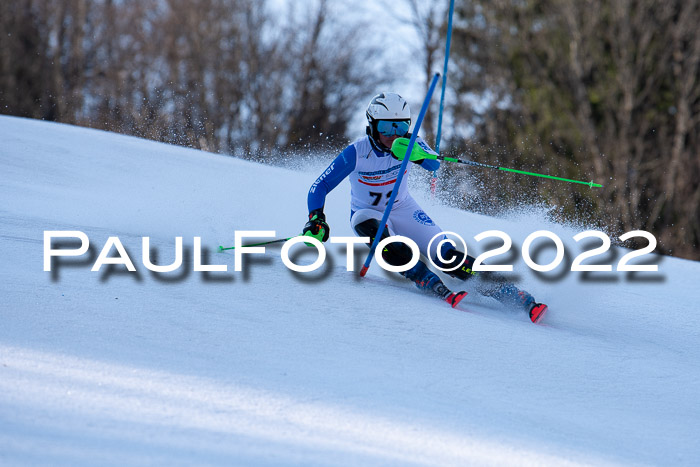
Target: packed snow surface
265 366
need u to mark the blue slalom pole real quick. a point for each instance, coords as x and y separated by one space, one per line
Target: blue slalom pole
404 164
433 181
444 75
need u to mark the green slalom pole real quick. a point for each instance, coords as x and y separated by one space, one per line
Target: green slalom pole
279 240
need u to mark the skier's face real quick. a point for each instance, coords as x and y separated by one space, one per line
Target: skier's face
387 140
389 130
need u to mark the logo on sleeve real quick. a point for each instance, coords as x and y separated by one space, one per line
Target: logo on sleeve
421 217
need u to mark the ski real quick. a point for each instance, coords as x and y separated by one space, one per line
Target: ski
511 296
537 312
455 297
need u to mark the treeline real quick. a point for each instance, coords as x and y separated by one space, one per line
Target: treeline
231 76
607 90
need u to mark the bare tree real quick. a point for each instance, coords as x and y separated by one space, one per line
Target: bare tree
429 20
41 58
601 88
330 77
22 60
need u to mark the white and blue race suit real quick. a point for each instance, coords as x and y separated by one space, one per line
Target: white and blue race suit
373 176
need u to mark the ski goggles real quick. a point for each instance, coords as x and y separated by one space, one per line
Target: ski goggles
393 127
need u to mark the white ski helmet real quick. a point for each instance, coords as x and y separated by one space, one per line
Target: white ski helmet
386 106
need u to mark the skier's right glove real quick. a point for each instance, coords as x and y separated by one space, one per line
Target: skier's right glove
317 226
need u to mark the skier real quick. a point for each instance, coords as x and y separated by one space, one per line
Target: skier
373 171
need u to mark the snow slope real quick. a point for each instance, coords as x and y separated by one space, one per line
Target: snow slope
266 366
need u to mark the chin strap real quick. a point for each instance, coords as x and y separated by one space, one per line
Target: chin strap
375 143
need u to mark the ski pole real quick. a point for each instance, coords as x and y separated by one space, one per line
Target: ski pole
279 240
400 148
399 177
505 169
